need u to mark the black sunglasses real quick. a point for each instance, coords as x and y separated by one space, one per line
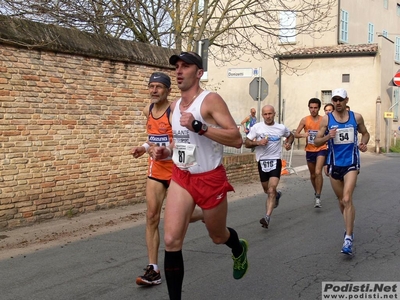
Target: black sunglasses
338 99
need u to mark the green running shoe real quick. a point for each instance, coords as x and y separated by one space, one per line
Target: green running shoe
240 264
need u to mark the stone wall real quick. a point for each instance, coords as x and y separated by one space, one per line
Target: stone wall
70 112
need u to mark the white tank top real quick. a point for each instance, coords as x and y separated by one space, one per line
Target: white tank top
193 152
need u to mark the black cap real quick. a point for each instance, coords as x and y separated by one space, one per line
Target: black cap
187 57
161 78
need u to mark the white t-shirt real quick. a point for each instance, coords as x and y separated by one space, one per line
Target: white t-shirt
273 149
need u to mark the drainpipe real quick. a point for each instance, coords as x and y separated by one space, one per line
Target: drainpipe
338 23
378 125
280 92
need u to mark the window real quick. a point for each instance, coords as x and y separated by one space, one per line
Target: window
201 6
344 26
398 9
287 34
385 4
345 77
397 50
326 97
370 33
385 33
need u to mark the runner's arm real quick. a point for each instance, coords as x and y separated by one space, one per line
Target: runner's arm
321 138
215 112
245 120
301 126
364 132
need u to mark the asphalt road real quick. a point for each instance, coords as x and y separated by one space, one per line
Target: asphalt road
287 261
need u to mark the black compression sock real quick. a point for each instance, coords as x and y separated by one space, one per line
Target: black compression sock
174 271
234 243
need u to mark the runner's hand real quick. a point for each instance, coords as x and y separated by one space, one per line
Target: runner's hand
161 152
138 151
362 147
186 120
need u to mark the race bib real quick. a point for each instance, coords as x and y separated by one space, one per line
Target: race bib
184 156
159 139
311 136
344 136
268 165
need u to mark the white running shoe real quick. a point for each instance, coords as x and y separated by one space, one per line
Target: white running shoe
317 203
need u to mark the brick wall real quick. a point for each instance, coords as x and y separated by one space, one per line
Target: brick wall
69 115
241 167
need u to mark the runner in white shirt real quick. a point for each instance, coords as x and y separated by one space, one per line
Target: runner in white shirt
266 136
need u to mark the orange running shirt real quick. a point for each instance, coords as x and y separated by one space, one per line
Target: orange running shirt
312 127
160 132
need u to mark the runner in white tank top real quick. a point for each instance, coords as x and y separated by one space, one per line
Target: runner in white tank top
201 124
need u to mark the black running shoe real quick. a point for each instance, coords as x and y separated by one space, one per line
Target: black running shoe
264 222
150 277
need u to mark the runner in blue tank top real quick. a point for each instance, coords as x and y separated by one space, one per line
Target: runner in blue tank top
249 121
340 129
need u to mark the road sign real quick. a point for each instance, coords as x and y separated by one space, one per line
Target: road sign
396 79
254 88
242 72
388 115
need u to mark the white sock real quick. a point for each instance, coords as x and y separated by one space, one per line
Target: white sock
348 237
155 267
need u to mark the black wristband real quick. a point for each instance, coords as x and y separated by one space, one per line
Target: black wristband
197 126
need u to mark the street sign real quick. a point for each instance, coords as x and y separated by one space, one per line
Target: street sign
396 79
242 72
254 88
388 115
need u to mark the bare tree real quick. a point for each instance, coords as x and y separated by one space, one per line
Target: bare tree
230 25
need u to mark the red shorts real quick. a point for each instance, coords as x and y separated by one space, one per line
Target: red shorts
207 189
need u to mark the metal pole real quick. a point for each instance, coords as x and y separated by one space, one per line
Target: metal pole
378 125
387 135
259 95
389 129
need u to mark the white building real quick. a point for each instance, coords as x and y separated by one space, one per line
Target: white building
361 54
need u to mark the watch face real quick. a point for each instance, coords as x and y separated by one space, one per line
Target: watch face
203 130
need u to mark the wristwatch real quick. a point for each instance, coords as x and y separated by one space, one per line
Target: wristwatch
203 129
199 127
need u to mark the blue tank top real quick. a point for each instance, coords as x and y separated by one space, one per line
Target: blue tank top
343 149
251 122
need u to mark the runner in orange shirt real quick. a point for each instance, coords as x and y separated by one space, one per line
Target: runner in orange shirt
159 173
315 156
